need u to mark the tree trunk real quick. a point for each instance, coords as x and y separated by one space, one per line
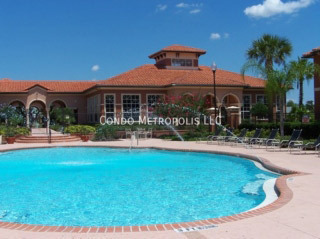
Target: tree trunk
269 67
281 115
270 110
300 93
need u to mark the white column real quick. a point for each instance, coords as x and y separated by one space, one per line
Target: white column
28 118
48 120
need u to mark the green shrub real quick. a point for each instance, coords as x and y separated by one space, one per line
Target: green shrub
86 129
10 132
236 131
259 110
22 131
73 129
56 127
80 129
250 133
309 131
11 115
105 132
63 116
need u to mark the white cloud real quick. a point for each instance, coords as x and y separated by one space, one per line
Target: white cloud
274 7
95 68
195 11
161 7
193 8
182 5
189 5
215 36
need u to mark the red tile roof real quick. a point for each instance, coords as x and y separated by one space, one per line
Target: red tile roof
144 76
7 85
149 75
311 53
179 48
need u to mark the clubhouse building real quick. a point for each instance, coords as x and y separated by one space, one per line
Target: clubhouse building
176 72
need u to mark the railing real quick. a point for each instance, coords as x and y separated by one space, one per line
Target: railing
49 136
134 135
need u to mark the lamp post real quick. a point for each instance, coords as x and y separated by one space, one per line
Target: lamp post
214 69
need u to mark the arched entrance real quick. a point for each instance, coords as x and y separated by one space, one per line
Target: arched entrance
55 105
37 115
187 97
230 110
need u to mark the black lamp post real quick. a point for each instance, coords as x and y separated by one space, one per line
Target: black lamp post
214 69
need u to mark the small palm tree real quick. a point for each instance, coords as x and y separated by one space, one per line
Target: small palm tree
278 84
303 70
267 50
63 116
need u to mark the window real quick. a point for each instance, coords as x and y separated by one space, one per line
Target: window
131 106
152 100
181 62
262 99
109 106
246 107
93 108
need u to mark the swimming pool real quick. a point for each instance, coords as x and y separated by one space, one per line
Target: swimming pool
83 186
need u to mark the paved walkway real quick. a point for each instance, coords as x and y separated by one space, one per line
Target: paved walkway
297 219
43 132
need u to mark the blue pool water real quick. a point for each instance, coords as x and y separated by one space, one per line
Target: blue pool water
113 187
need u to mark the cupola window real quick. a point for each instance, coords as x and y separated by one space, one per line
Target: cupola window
181 62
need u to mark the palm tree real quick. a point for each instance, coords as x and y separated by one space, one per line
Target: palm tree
303 70
279 83
267 50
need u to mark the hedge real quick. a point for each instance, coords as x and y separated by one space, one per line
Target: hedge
309 131
13 131
80 129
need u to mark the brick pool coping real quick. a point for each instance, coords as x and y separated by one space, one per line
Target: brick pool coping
284 196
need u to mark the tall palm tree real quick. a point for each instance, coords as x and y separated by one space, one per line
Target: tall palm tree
303 70
267 50
270 49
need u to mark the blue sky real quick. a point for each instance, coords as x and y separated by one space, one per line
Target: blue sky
87 40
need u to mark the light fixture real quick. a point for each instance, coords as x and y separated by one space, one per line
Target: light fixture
213 66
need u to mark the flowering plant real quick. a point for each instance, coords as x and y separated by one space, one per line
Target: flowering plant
187 106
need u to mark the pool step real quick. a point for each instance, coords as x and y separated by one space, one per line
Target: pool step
44 139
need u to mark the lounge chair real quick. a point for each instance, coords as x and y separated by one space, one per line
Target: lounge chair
255 138
286 143
308 146
214 137
149 133
128 133
240 138
142 133
268 141
225 139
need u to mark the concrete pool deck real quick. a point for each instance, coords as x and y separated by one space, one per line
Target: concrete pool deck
298 218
